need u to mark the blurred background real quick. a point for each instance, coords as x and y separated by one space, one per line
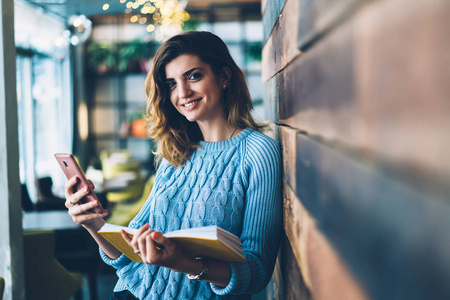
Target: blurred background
357 95
80 68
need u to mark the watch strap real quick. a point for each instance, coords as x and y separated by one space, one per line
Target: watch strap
203 273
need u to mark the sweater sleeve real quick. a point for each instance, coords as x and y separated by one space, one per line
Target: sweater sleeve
262 220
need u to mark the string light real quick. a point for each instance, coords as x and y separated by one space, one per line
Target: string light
164 17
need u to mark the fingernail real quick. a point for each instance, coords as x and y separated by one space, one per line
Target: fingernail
156 235
74 180
86 190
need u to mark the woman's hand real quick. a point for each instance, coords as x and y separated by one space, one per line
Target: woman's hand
77 210
155 249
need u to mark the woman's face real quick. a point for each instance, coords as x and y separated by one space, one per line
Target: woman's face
195 91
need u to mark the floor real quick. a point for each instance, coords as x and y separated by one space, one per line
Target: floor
107 281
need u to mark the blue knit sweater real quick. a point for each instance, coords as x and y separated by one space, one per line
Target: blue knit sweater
234 184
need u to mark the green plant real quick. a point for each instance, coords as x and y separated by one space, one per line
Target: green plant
254 51
191 24
101 56
130 54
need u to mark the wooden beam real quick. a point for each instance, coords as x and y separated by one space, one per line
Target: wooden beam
323 271
281 43
393 236
11 245
378 85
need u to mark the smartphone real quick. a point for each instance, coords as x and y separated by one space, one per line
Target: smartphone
71 168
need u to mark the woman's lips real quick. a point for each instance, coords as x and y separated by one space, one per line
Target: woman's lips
190 104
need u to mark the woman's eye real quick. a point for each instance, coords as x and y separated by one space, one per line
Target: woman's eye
195 76
170 85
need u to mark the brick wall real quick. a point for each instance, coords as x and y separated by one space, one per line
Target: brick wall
360 95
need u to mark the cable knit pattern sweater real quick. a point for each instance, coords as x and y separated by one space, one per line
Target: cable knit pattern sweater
234 184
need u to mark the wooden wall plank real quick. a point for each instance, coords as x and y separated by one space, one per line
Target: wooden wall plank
271 12
293 284
378 84
322 270
394 237
317 17
281 47
271 100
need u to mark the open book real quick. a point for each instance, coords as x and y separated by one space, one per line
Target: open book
209 241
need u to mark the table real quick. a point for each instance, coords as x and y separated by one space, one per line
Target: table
52 220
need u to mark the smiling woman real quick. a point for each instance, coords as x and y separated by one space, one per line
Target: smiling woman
207 73
216 168
197 94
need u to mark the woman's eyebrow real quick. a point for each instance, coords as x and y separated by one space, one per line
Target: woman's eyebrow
185 73
190 71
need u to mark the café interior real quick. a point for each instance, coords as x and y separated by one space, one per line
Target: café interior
80 71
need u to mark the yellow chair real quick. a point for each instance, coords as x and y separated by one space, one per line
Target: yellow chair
122 213
118 164
2 287
108 153
45 277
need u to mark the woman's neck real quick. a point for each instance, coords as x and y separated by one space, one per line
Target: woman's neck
217 131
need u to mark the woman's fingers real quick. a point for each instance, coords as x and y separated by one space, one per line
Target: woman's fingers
91 184
125 236
154 247
75 198
68 187
142 245
134 241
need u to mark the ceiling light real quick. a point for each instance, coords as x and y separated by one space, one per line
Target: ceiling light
80 28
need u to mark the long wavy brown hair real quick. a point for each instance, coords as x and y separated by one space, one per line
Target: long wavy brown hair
175 136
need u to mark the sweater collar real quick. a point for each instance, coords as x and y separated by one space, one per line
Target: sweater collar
217 146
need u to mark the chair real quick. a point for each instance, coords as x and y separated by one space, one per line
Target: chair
2 287
46 199
27 204
119 164
122 213
77 251
45 277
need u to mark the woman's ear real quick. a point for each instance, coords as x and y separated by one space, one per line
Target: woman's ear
226 76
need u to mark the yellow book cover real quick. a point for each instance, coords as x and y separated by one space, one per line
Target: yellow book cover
209 241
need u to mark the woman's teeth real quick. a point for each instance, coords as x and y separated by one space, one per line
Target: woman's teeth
190 103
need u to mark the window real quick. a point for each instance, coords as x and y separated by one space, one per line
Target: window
44 102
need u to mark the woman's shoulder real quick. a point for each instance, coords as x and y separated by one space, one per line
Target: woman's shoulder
261 148
257 139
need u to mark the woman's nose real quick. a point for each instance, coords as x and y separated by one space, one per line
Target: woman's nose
184 91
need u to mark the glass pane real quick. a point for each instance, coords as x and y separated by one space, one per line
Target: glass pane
236 53
228 31
104 33
105 89
106 145
46 93
139 148
134 89
20 115
255 87
104 120
253 31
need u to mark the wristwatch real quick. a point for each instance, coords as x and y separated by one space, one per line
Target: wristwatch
204 271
